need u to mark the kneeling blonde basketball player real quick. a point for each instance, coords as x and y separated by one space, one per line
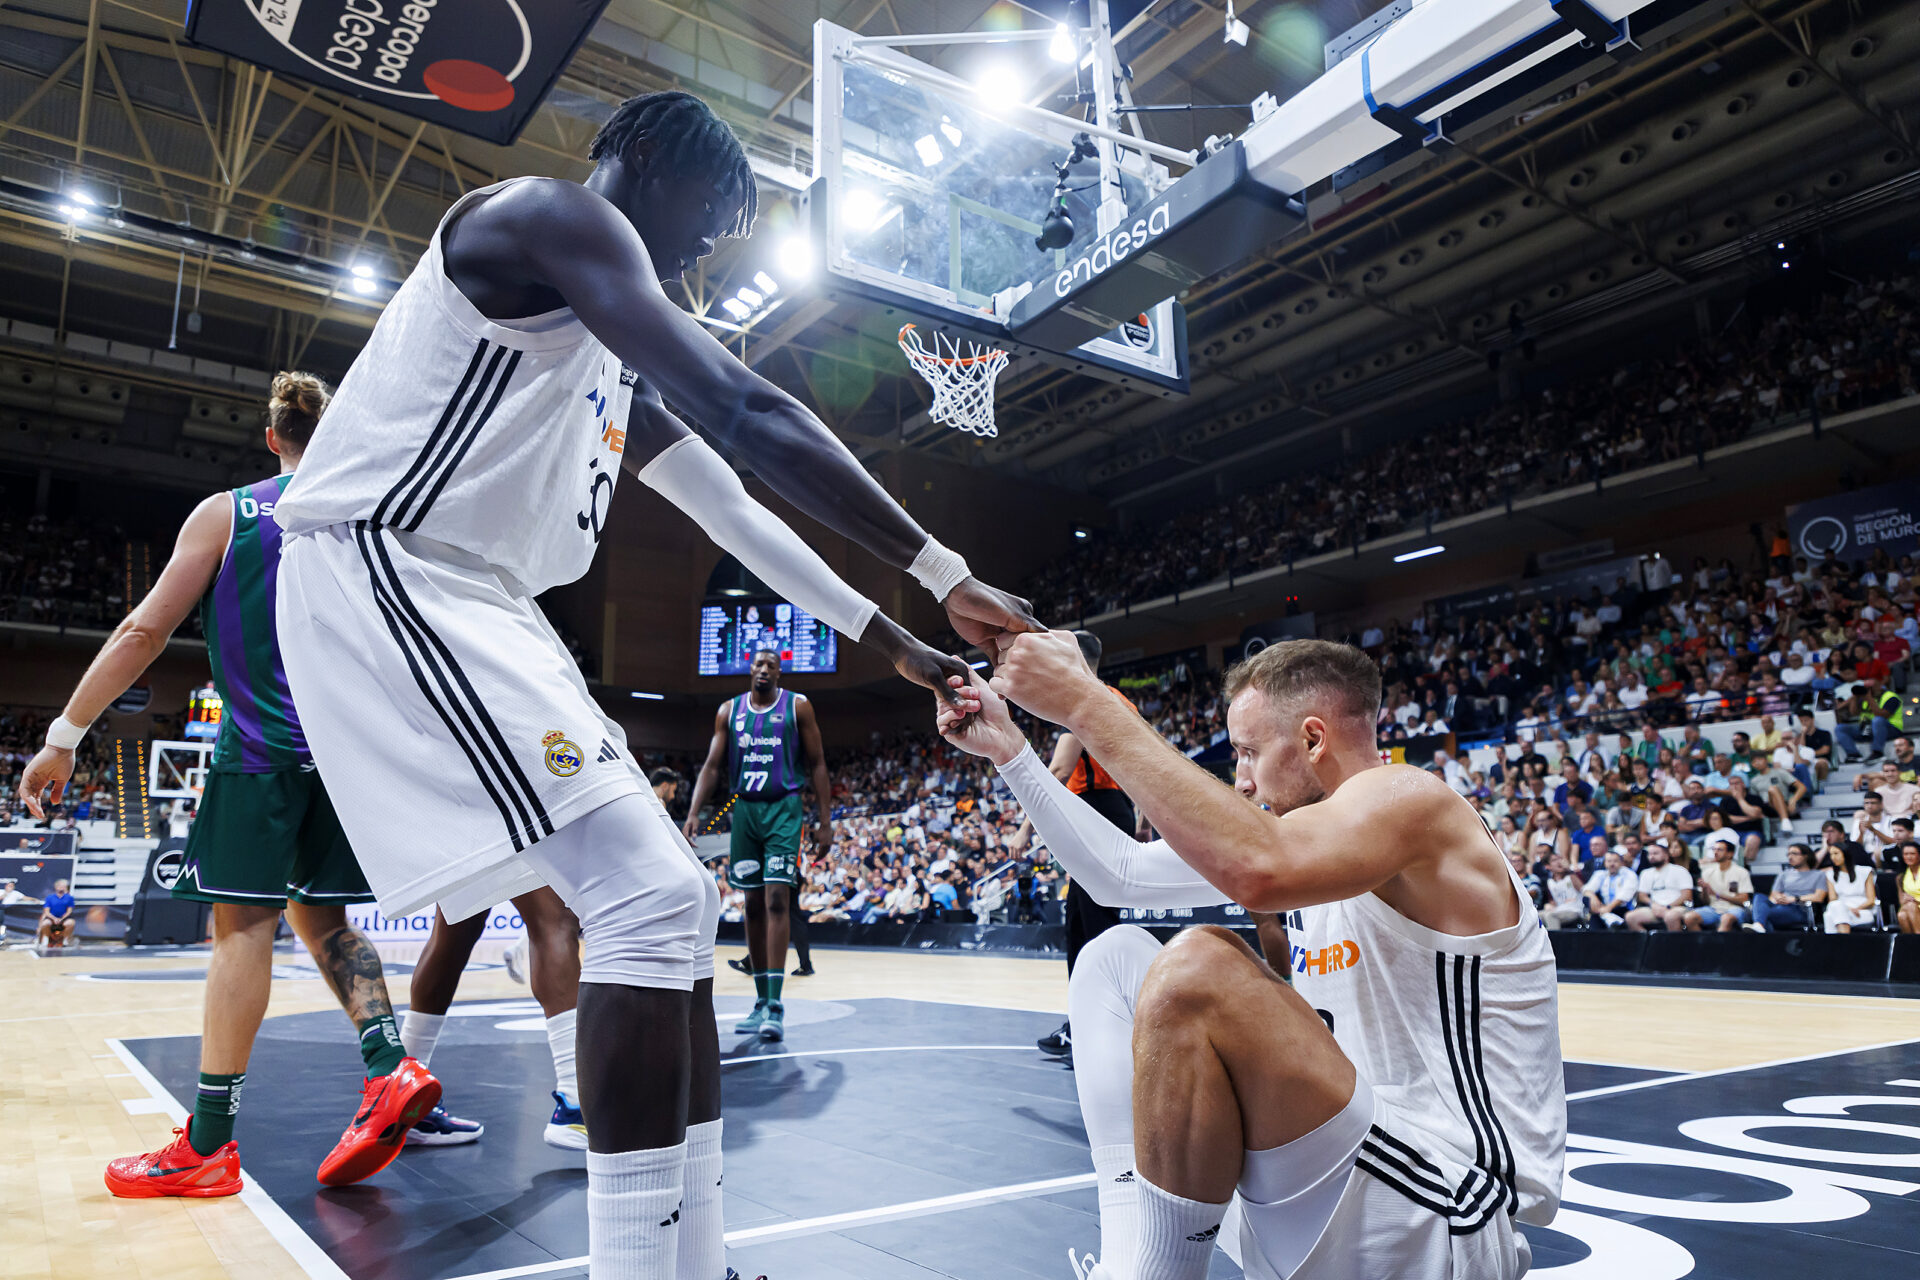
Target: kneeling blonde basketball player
1400 1108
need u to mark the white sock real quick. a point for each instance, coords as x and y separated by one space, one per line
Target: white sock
560 1044
1119 1186
1177 1235
633 1212
703 1236
418 1032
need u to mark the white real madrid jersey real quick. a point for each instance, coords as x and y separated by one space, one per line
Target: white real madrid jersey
1460 1037
501 438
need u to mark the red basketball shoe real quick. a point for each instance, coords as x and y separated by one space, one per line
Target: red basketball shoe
176 1170
389 1106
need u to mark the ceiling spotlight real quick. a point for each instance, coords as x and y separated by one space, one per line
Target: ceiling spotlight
1060 48
736 308
765 283
998 85
1081 532
951 131
363 286
749 296
929 151
795 258
362 270
862 208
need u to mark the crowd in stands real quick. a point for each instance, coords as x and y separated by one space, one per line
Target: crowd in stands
1604 786
23 730
1847 349
61 573
1716 644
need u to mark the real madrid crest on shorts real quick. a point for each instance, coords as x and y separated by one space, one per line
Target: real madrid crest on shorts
563 757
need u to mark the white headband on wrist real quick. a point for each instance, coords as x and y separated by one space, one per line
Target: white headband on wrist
938 569
65 734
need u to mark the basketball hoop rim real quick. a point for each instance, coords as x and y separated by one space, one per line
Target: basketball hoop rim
987 353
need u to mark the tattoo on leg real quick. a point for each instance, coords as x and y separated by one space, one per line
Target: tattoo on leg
352 969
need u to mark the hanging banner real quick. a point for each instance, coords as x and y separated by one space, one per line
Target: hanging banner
1852 526
479 66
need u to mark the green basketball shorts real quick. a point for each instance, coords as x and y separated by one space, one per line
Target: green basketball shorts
269 838
766 842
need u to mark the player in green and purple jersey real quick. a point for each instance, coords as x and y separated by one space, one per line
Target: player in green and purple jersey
266 839
764 735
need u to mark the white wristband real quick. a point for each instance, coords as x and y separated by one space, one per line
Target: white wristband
938 569
65 734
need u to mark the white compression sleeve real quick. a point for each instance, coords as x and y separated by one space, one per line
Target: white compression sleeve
690 475
1115 869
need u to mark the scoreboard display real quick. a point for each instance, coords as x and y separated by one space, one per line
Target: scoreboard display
731 632
203 714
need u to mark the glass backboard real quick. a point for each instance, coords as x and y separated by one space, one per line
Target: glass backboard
929 196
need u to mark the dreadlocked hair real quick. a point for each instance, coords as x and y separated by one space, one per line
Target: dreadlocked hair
681 133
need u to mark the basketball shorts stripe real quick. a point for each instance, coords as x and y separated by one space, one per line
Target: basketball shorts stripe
452 727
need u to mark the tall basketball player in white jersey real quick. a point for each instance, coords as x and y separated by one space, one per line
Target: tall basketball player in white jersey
1399 1108
467 464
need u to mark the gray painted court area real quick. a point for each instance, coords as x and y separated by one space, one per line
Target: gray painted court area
904 1140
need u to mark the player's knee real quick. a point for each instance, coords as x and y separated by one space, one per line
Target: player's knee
1109 972
777 898
1118 958
646 931
1191 974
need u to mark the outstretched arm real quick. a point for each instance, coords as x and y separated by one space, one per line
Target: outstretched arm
136 642
581 246
1115 869
1378 824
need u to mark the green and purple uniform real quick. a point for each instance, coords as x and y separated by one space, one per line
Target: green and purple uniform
763 760
265 831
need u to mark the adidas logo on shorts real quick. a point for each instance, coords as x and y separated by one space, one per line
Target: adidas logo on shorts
606 752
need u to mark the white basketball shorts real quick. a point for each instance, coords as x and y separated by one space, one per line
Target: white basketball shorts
452 728
1386 1209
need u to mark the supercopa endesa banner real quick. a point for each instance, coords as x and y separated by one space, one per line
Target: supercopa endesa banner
479 66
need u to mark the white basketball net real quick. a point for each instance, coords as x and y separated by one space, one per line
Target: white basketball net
962 382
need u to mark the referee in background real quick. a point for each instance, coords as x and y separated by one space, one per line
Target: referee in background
1082 774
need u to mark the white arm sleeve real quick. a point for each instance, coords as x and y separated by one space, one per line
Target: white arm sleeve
1115 869
690 475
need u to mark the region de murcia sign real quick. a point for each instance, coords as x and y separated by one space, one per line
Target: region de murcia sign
478 66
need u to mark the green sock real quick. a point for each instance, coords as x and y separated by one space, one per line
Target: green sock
214 1108
380 1045
775 980
759 986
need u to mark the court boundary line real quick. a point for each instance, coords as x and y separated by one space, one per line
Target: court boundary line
301 1247
1630 1085
1618 1066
